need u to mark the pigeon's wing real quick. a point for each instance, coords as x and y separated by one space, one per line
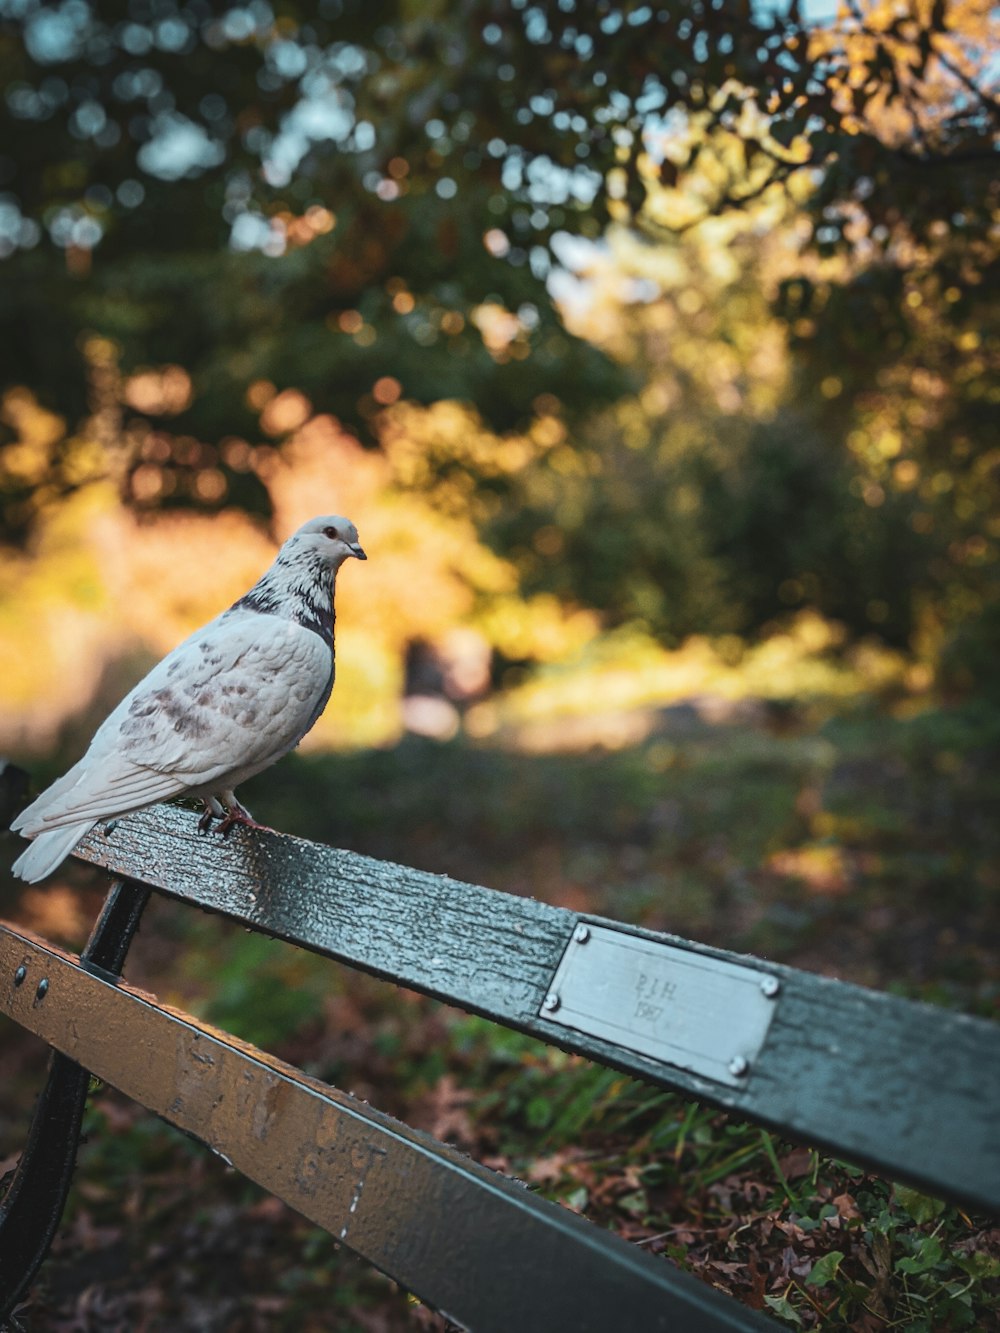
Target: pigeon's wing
233 698
95 790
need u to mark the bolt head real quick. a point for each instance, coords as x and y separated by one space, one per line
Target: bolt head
20 974
551 1002
43 989
581 934
770 987
739 1066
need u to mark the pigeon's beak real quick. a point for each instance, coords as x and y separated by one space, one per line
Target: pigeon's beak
356 551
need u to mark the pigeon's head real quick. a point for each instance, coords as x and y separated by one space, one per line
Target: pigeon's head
331 538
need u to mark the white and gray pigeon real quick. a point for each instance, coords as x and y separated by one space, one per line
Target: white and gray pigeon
225 704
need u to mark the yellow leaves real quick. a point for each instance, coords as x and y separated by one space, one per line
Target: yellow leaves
697 166
52 605
539 627
503 333
365 705
27 459
85 461
823 868
386 390
568 462
613 686
905 475
209 484
889 443
259 394
285 412
173 573
547 430
616 186
147 483
112 584
25 463
422 443
164 391
897 69
41 448
320 219
296 231
36 426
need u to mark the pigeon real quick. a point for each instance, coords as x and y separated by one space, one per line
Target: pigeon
225 704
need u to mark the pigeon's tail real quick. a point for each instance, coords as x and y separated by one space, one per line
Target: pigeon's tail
32 818
49 850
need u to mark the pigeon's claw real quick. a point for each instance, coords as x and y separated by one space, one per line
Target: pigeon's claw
213 810
235 817
237 813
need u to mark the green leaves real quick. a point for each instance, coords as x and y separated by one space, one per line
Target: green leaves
783 1307
825 1270
927 1254
921 1207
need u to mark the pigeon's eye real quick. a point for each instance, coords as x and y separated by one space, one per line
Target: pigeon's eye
332 533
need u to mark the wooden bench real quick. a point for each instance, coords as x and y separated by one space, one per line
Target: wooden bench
909 1090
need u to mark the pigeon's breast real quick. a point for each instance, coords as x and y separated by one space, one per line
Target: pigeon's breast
287 676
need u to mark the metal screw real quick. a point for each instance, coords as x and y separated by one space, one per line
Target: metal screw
551 1001
43 989
581 934
770 987
20 974
739 1065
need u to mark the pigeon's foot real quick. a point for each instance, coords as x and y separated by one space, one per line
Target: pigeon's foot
237 814
213 810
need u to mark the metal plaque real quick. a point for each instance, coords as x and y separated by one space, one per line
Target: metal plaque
684 1008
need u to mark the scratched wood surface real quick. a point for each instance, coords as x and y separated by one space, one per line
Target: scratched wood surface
908 1089
471 1243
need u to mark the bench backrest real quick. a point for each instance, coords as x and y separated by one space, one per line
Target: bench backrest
906 1089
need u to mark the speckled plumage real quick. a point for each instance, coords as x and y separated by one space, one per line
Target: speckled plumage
224 705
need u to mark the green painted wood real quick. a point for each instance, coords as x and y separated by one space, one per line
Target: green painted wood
479 1247
907 1089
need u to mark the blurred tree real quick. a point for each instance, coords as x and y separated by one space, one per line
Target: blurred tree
218 220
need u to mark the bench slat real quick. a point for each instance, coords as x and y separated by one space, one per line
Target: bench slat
473 1244
841 1067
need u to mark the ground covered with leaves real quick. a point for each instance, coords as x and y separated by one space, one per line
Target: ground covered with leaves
859 842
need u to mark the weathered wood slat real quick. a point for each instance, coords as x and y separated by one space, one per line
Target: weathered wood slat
908 1089
473 1244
